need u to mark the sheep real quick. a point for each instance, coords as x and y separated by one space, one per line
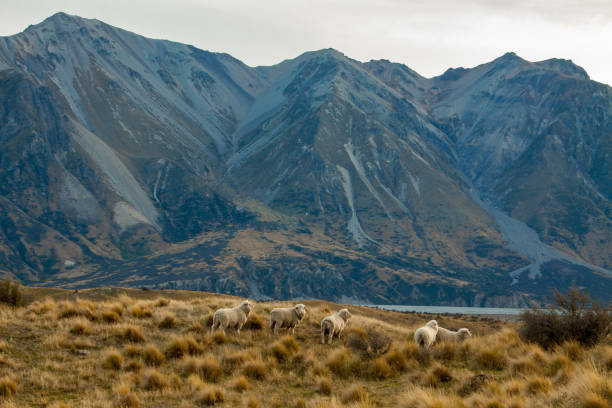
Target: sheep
287 317
452 336
426 335
234 317
334 325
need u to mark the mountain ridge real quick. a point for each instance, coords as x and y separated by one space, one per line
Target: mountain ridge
260 180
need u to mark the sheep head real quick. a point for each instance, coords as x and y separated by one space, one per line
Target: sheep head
433 324
246 307
464 333
300 311
345 314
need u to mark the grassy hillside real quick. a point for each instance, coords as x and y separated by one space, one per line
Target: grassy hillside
131 348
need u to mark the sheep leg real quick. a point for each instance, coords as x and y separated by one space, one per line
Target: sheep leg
331 336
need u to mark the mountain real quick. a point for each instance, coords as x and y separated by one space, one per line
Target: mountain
139 162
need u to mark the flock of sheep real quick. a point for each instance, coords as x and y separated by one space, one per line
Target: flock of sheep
289 317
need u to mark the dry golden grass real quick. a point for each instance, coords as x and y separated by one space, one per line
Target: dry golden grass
104 349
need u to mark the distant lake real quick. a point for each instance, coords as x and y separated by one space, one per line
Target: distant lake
453 309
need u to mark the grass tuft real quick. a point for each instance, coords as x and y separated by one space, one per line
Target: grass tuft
256 370
129 400
153 380
152 356
168 322
132 334
241 384
325 386
211 395
113 360
8 387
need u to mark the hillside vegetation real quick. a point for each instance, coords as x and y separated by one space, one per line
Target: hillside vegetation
118 347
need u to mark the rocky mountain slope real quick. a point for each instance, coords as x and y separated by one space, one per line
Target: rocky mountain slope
126 160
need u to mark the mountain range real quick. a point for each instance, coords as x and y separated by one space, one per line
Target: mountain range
148 163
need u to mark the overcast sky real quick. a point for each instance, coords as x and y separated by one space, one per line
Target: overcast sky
428 36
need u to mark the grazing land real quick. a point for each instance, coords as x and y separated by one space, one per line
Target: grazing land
115 347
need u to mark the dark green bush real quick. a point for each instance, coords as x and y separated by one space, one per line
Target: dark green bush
10 293
575 317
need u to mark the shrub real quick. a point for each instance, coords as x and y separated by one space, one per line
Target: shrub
369 341
575 317
8 387
113 360
210 395
152 356
325 386
10 293
255 369
168 322
153 380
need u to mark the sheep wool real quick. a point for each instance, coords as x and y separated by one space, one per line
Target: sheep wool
287 317
334 325
426 335
453 336
233 318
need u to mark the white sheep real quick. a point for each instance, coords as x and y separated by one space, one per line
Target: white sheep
453 336
334 324
234 317
287 317
426 335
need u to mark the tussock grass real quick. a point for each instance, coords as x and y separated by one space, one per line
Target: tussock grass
181 346
256 370
8 387
63 345
132 334
153 380
210 395
241 384
152 356
168 322
113 360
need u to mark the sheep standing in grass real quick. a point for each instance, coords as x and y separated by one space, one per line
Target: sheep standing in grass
287 317
426 335
452 336
234 317
334 324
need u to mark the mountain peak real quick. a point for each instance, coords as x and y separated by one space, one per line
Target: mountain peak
565 67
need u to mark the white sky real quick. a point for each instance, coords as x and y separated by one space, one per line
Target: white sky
427 35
